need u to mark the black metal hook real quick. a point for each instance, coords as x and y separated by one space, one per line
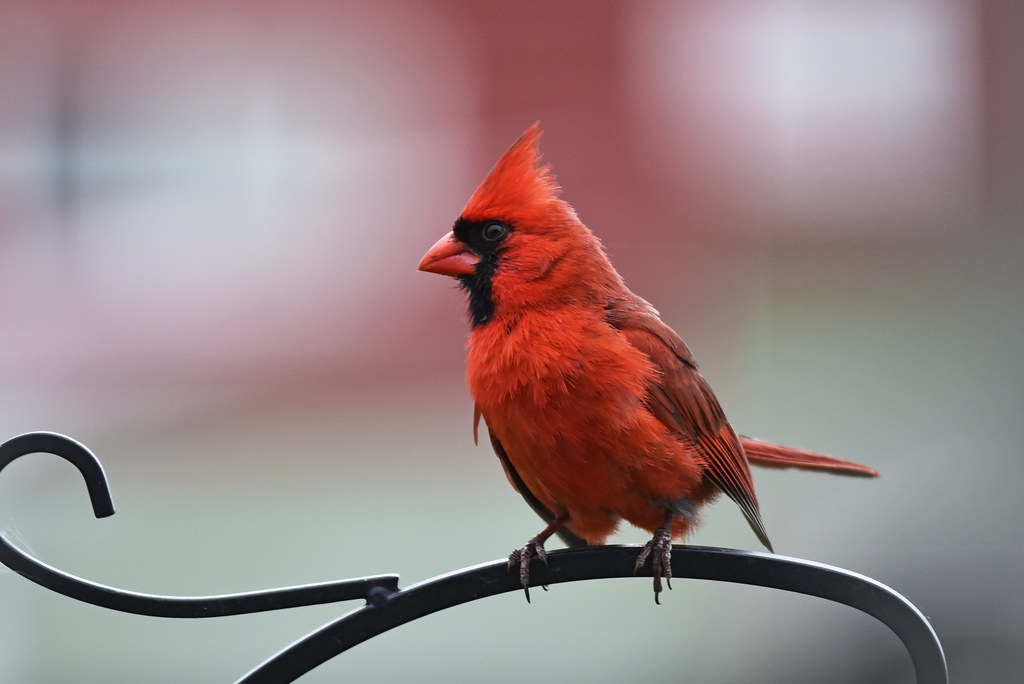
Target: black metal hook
388 607
153 604
69 450
604 562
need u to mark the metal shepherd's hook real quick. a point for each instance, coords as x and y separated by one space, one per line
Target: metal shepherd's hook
153 604
388 607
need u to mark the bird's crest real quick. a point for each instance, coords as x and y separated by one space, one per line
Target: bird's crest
519 189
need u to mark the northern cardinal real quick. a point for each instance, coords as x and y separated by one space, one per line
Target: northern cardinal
594 406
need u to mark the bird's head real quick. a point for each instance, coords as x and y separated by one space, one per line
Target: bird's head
516 244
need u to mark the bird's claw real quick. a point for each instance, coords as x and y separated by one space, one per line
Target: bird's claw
523 556
660 551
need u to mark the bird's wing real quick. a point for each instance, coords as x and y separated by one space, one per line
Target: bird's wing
682 399
564 533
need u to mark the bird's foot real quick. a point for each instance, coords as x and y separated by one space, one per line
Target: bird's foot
660 551
523 556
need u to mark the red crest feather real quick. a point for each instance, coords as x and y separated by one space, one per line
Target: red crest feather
519 189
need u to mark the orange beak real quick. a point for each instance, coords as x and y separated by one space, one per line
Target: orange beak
449 257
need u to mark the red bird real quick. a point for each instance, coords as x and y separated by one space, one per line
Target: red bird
594 406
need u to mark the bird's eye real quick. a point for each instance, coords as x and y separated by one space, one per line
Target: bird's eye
494 232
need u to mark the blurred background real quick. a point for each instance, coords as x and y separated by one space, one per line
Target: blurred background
210 219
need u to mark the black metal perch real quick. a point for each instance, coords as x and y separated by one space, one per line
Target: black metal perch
387 606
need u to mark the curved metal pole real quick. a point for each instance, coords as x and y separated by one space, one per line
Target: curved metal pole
601 562
154 604
70 450
387 607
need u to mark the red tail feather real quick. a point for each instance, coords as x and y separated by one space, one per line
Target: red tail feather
771 455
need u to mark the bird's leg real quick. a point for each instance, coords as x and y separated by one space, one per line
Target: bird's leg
534 547
661 560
